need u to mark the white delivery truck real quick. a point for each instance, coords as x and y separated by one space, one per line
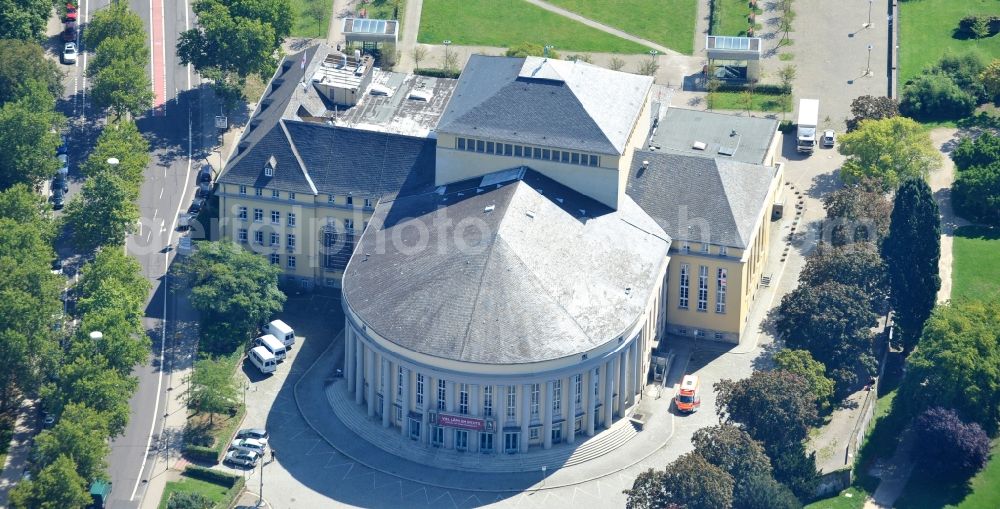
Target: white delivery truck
808 121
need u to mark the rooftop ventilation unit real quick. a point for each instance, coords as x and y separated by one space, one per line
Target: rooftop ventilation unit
421 95
699 145
727 151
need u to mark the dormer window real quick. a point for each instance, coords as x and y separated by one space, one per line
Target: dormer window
269 167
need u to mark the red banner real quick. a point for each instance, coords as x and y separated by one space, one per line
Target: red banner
460 421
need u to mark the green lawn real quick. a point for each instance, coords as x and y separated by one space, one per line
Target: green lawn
851 498
976 266
982 492
926 29
730 17
505 23
668 22
213 492
311 18
734 101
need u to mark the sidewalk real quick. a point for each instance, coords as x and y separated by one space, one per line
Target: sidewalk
20 448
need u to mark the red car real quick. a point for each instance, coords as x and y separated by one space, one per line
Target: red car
69 33
70 13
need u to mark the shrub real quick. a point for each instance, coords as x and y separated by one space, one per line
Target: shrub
978 27
187 500
935 97
437 73
949 447
981 151
212 476
201 453
976 194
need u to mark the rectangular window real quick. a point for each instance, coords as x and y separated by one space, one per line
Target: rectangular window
535 390
329 199
369 203
594 161
258 215
242 213
518 150
291 241
597 381
487 401
275 239
420 390
685 247
350 201
508 149
291 196
463 399
275 217
242 235
275 193
399 381
442 401
723 251
534 433
243 190
536 153
720 294
704 247
258 191
461 439
480 146
275 259
578 390
489 147
349 224
291 262
685 286
546 154
291 219
565 157
556 397
575 158
461 143
703 288
258 237
511 402
437 435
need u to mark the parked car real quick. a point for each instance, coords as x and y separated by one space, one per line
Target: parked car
63 145
829 138
69 31
204 189
58 198
71 13
69 52
59 182
205 174
249 444
254 433
246 459
48 420
196 206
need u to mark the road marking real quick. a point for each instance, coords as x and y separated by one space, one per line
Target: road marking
156 212
163 329
161 193
159 58
148 235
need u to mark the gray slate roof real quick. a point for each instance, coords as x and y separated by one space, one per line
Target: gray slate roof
699 199
533 279
572 105
679 129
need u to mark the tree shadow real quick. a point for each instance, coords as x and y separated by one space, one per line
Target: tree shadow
824 184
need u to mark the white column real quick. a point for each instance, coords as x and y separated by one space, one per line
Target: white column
636 372
405 403
359 371
500 406
525 415
449 434
547 423
474 410
349 360
571 410
609 395
425 429
622 382
387 395
371 360
592 380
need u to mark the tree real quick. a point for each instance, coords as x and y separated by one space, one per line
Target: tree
801 362
690 482
123 87
949 448
957 364
766 493
787 76
123 141
28 137
869 107
889 151
935 97
648 66
23 62
857 213
57 486
419 53
979 151
24 19
774 407
616 64
133 49
90 381
104 214
81 435
234 290
113 268
648 492
859 265
795 469
990 78
833 322
528 49
212 387
911 252
115 20
976 194
743 458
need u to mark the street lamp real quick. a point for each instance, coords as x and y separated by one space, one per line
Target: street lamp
447 59
868 70
869 24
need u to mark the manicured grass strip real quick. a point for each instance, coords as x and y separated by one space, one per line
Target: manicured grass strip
668 22
505 23
734 101
212 491
851 498
311 18
926 32
976 265
730 17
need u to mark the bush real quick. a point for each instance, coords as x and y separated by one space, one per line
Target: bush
949 447
213 476
981 151
978 27
202 453
437 73
935 97
763 89
188 500
976 194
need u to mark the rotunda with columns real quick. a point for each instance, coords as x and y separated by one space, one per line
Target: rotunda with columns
502 313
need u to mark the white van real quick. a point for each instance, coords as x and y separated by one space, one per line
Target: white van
263 359
282 331
273 345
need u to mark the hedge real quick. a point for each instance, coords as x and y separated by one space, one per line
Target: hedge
764 89
437 73
202 453
213 476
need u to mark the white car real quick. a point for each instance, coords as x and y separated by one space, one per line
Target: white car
249 445
246 459
829 138
69 53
